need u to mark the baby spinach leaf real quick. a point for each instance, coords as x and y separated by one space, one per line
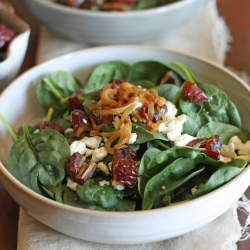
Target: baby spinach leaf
144 84
218 108
144 135
168 91
223 175
148 70
145 4
69 197
226 131
125 204
103 73
167 180
40 159
146 158
164 158
53 91
105 197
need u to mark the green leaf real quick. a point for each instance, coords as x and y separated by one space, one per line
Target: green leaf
226 131
223 175
103 73
144 135
40 159
167 180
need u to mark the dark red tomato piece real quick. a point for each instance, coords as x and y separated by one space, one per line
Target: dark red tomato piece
80 122
78 170
100 119
192 93
211 145
75 102
130 2
125 169
51 125
90 5
73 3
6 36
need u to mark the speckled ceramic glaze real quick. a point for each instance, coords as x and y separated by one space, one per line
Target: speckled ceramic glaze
13 58
118 227
101 28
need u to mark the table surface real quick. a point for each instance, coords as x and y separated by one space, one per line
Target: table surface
237 18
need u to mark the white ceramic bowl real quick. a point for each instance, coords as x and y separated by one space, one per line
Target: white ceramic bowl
16 50
106 28
117 227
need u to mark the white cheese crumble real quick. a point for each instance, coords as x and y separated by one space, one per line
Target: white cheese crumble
235 149
77 146
132 138
92 142
103 183
119 187
71 184
183 139
172 127
103 167
172 110
99 154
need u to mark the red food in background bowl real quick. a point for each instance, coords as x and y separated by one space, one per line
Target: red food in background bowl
14 38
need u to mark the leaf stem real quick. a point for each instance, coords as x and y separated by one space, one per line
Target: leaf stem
162 144
11 130
54 91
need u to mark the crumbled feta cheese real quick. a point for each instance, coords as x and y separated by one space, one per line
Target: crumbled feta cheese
99 154
235 149
103 167
172 127
89 152
71 184
78 146
172 110
132 138
92 142
224 159
228 150
103 183
183 140
119 187
244 157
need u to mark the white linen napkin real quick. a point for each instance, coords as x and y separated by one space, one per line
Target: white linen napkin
206 35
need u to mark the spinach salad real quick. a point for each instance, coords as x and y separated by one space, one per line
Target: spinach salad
132 137
114 5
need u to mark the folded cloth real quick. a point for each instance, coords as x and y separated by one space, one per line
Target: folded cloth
220 234
205 35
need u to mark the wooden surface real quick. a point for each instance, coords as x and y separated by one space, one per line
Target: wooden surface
236 15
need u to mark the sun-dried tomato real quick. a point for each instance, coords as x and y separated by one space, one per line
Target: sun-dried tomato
192 93
80 122
124 168
75 102
132 2
73 3
6 36
51 125
211 145
101 119
78 170
170 77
